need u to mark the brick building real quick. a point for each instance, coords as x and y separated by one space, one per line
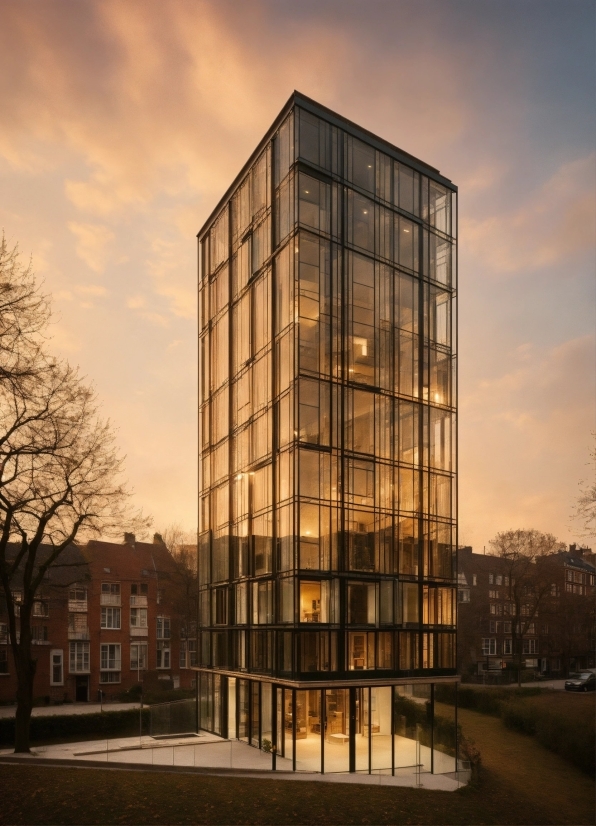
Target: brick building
107 615
560 635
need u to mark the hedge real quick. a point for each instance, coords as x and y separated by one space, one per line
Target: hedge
99 724
571 739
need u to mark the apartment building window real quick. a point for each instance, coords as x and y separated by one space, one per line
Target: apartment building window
506 580
77 623
489 646
140 589
163 642
491 579
568 587
530 647
110 663
507 627
495 627
39 633
110 593
508 646
138 618
3 661
41 609
544 629
57 667
138 656
79 658
577 577
496 608
569 576
3 632
463 595
474 579
77 593
531 628
110 618
498 579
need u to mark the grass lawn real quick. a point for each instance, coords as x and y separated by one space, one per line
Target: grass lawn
523 784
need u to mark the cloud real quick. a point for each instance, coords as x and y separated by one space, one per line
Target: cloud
524 438
93 240
91 289
554 226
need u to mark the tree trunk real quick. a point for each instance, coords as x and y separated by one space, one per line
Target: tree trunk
25 668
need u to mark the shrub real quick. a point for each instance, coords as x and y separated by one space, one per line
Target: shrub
59 727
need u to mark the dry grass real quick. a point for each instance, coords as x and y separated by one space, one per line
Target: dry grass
523 784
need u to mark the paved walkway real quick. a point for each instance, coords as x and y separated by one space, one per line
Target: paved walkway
208 754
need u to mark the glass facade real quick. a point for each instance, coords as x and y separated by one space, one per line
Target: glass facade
327 441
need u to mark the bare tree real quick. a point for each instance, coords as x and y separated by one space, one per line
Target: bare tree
183 550
528 579
585 506
60 472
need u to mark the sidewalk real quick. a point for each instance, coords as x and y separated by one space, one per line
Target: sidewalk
208 754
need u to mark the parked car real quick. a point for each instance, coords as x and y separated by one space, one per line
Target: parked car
584 681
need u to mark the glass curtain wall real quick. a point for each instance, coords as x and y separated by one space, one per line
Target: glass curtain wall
327 414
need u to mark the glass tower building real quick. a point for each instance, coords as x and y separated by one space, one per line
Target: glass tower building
327 452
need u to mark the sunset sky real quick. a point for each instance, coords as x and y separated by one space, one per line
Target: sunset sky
122 122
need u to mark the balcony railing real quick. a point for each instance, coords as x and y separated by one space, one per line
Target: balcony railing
78 635
138 632
110 599
77 605
138 601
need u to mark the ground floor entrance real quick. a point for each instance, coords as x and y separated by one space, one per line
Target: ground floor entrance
349 729
82 689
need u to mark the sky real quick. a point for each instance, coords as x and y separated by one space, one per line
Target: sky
124 121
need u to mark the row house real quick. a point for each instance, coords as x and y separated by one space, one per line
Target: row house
556 637
107 615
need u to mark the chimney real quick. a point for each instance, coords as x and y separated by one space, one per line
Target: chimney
158 539
129 539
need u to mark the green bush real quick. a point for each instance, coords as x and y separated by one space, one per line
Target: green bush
59 727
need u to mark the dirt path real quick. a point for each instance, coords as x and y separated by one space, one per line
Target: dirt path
520 767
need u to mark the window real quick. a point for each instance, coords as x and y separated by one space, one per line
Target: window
138 656
110 618
531 628
138 617
508 646
530 647
141 589
507 627
496 608
489 646
39 633
41 609
163 653
57 667
491 579
110 663
77 593
3 632
362 603
3 661
463 595
110 588
495 627
498 579
163 642
163 628
506 580
493 594
79 658
474 579
544 629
